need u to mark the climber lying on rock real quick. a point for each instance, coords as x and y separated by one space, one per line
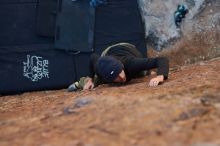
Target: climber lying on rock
120 63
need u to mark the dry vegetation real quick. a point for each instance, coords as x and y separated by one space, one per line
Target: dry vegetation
197 47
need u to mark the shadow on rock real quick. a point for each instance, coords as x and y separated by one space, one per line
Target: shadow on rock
79 103
195 112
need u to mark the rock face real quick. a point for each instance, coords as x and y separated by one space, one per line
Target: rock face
161 31
183 111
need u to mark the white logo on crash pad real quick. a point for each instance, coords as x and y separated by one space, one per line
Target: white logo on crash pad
112 72
36 68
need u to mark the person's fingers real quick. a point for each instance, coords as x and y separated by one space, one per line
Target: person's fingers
91 86
86 87
153 83
156 83
150 83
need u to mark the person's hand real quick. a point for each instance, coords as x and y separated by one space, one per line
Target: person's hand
155 81
89 84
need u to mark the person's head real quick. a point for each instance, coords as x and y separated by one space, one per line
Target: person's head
110 69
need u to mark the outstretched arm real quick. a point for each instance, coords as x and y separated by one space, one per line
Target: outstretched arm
161 63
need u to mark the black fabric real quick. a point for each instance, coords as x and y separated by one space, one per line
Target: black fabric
82 61
74 29
46 17
119 21
17 1
18 25
123 53
50 69
133 66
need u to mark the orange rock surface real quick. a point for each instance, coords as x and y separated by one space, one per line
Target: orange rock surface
185 110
